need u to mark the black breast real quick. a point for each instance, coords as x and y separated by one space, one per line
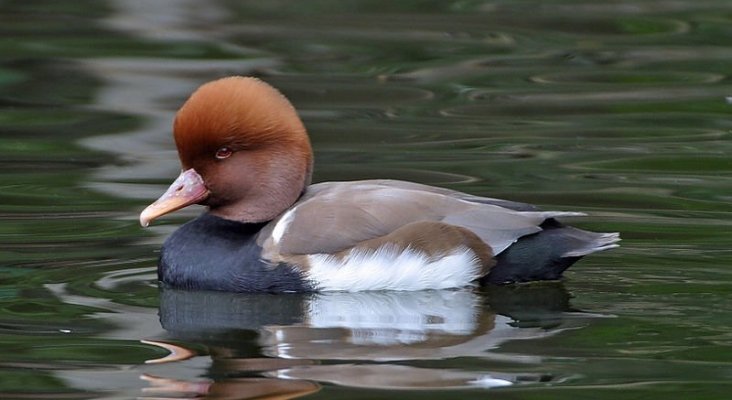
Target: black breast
211 253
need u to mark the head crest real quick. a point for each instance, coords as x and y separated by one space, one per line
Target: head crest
243 112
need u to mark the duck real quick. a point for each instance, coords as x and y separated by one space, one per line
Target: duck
246 156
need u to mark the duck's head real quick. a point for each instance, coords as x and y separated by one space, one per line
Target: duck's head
244 153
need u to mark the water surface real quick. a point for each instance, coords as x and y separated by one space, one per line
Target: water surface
621 110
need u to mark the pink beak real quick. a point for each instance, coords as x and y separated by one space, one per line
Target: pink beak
187 189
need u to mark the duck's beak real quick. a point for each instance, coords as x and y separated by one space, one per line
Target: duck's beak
187 189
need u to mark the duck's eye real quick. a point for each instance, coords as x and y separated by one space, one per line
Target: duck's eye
224 152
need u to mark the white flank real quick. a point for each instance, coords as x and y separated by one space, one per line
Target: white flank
389 268
281 227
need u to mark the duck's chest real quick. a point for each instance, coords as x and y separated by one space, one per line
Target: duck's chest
210 253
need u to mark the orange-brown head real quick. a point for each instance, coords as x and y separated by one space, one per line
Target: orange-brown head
244 152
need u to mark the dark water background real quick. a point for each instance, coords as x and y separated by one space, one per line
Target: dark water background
620 109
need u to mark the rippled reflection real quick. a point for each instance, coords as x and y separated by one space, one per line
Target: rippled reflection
364 333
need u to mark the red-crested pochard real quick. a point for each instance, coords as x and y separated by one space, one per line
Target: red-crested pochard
246 155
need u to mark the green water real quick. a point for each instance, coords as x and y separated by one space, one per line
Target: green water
618 109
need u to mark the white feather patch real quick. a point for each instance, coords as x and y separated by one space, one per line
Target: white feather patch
389 268
281 227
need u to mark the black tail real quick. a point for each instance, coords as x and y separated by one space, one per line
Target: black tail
547 254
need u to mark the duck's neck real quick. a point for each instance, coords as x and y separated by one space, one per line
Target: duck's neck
277 188
253 211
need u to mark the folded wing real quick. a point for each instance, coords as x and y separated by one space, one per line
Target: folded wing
347 213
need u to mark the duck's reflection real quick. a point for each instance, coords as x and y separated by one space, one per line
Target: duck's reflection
394 326
362 335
